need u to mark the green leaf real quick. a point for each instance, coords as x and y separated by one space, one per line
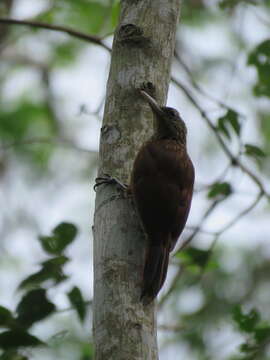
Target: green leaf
51 270
64 54
21 126
229 4
12 355
254 151
87 351
246 322
260 55
260 58
76 300
194 256
18 338
196 14
17 122
6 318
193 337
62 236
248 348
34 307
223 189
222 128
115 13
264 118
227 122
262 334
92 17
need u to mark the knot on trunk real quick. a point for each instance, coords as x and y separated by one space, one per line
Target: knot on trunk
133 34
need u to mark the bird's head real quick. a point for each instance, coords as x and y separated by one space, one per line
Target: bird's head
169 123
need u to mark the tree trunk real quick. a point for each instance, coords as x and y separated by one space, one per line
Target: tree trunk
125 329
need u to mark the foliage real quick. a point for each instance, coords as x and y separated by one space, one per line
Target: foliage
25 120
228 4
34 305
229 122
223 189
258 332
76 300
260 58
90 16
62 236
227 286
222 303
196 259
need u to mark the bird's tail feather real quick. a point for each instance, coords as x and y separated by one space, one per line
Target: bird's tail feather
155 271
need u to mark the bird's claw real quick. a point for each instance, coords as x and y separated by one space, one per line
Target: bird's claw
107 179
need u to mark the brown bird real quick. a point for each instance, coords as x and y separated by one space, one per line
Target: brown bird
162 184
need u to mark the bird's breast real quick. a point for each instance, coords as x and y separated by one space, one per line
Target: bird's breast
163 158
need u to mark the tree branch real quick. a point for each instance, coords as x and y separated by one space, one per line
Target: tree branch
197 86
77 34
185 243
241 214
46 140
198 227
234 160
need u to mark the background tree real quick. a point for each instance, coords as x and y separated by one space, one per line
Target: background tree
215 302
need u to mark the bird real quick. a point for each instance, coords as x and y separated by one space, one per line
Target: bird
161 183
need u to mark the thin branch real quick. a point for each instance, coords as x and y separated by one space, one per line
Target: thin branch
181 268
241 214
217 235
201 231
77 34
198 227
218 179
265 21
234 160
203 115
46 140
196 85
174 282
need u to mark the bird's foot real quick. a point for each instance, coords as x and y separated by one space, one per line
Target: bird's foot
107 179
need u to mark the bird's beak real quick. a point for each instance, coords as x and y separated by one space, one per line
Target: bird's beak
153 104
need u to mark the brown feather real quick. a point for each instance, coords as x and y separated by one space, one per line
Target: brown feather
162 184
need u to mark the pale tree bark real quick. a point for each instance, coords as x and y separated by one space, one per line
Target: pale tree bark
125 329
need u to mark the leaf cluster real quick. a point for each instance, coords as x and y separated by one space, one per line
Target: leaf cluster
224 292
257 333
95 17
35 305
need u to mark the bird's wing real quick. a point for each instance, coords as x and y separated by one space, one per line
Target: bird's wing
162 183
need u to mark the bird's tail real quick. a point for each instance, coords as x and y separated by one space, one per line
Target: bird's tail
155 271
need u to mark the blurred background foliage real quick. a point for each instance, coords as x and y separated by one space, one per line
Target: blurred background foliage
215 304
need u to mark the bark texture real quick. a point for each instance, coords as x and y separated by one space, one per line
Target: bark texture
142 52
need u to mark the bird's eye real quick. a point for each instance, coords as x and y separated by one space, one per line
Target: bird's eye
171 112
